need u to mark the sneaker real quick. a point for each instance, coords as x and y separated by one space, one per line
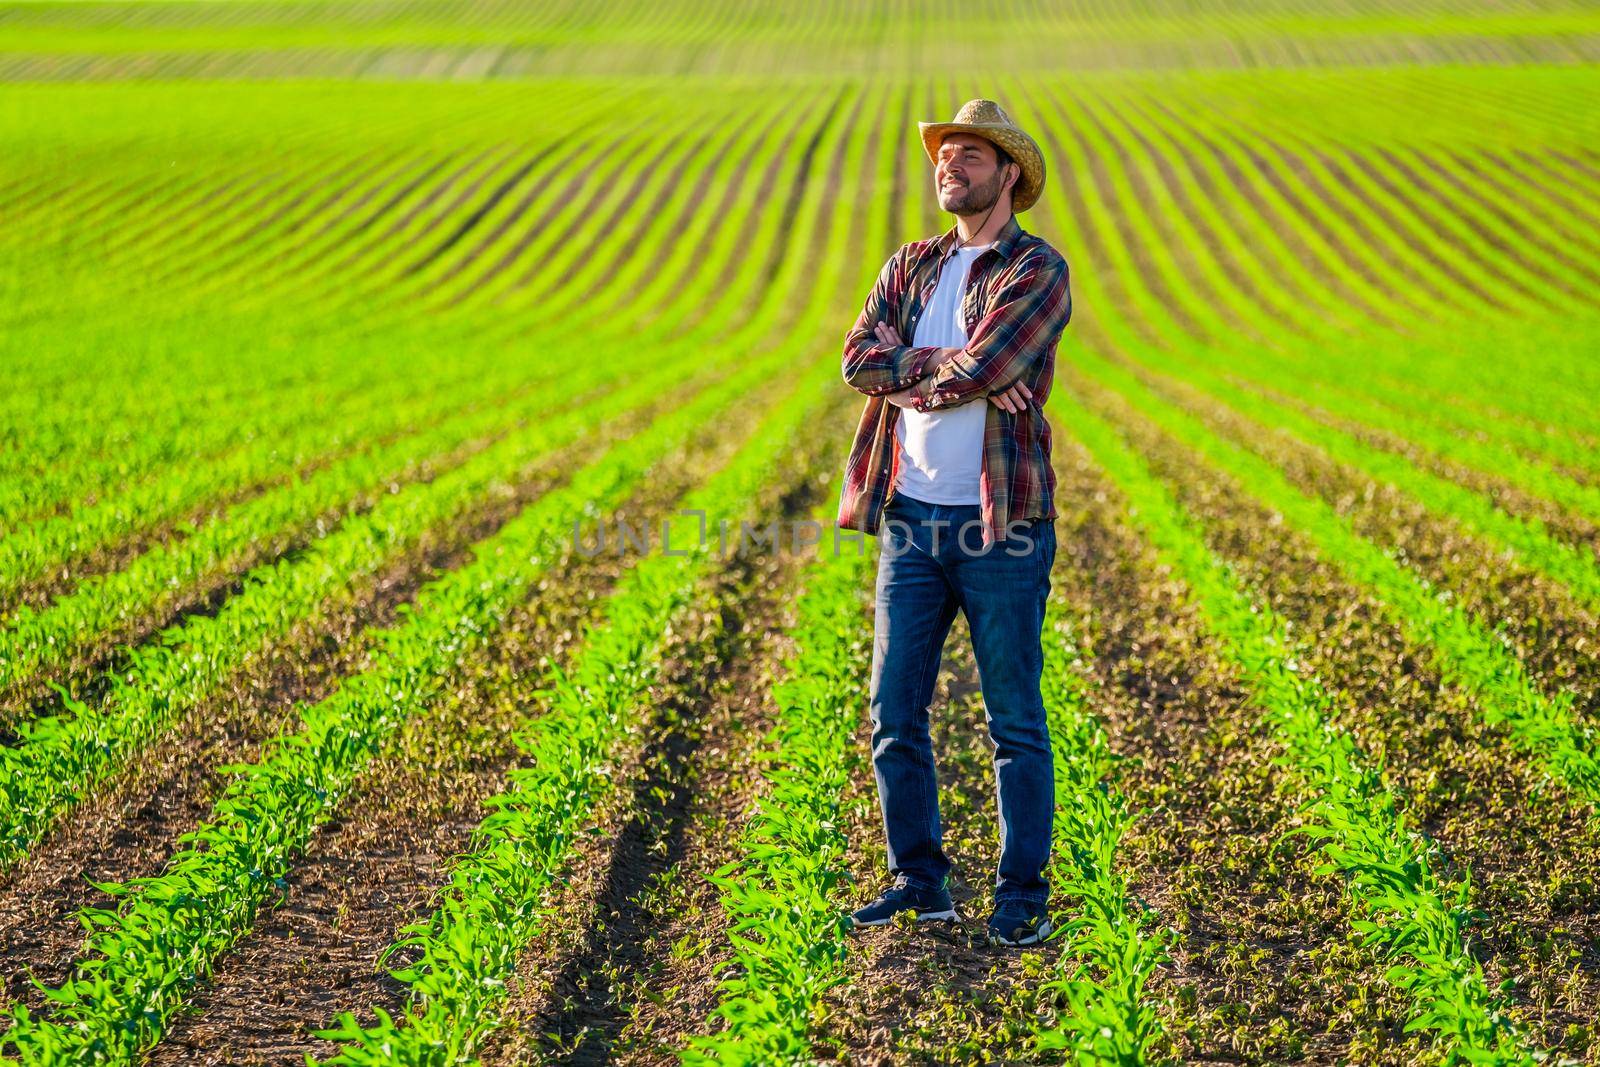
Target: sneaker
929 905
1018 922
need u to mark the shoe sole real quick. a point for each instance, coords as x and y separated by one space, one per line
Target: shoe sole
922 917
1043 932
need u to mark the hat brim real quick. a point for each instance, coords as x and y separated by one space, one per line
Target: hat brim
1021 147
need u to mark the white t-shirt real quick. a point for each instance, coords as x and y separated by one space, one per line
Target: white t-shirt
941 452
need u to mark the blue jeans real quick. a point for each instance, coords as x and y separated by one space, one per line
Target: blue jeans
931 561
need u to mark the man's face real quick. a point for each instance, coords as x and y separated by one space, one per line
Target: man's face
967 178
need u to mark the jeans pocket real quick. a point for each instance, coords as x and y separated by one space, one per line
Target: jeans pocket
1045 533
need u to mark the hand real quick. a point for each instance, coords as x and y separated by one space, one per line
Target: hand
906 397
890 336
1013 399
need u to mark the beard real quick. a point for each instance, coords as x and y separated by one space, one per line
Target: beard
971 199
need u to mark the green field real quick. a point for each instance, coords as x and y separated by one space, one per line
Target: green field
323 323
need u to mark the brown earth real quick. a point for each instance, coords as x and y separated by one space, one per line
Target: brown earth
1463 783
170 787
379 863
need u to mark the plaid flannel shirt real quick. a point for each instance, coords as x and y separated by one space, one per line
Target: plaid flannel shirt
1015 308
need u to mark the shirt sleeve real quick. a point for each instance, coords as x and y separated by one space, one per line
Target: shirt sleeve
1029 313
871 366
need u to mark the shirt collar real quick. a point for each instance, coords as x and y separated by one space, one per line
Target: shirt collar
1010 233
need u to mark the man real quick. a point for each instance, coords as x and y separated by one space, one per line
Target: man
950 468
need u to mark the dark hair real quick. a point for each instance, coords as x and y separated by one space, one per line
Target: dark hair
1001 158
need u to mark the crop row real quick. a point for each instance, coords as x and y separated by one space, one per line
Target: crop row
285 210
1466 652
506 200
504 203
56 760
503 41
718 312
1107 225
1574 566
785 929
1128 317
278 454
350 722
142 959
1172 287
1301 390
789 937
1110 942
465 952
779 894
1407 909
43 640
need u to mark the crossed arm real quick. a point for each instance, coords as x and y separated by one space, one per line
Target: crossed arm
1030 310
1013 399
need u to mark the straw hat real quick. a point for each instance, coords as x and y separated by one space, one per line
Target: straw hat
987 120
